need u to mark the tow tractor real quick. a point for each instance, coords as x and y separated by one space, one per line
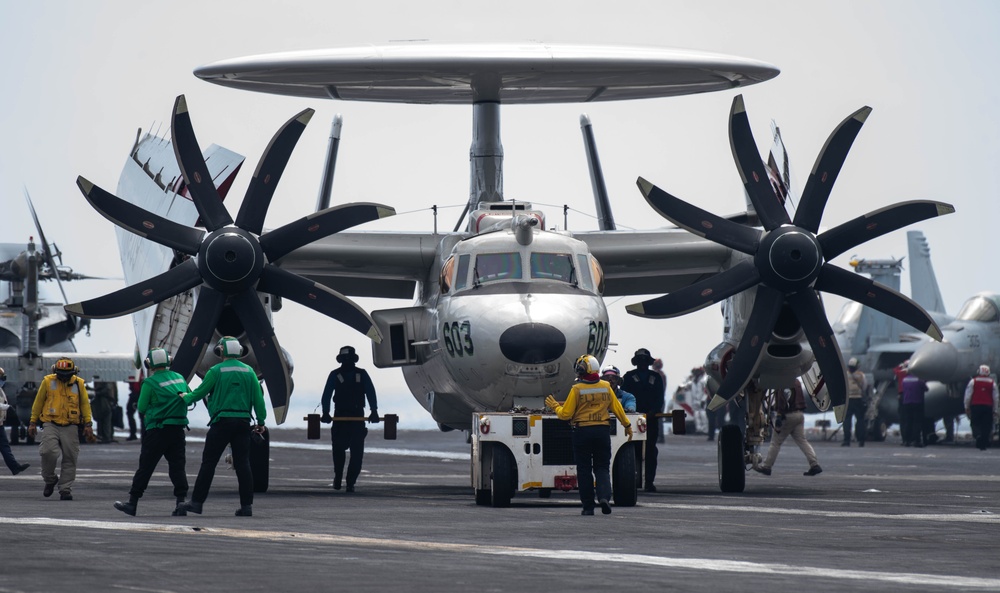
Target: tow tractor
530 450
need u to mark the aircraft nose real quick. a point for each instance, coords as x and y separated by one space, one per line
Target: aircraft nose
532 343
935 361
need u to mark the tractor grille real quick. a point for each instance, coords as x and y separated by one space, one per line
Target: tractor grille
557 443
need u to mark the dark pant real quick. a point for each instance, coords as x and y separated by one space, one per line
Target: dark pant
647 459
234 432
913 424
103 413
716 420
167 442
856 408
348 435
8 455
592 451
981 419
130 410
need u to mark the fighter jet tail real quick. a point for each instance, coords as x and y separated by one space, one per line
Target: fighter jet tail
923 283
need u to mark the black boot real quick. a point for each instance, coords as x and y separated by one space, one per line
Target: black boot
129 507
181 510
194 507
245 511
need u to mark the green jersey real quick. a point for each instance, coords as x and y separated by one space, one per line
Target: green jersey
160 401
232 391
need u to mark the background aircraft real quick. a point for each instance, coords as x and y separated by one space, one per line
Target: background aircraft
34 329
100 46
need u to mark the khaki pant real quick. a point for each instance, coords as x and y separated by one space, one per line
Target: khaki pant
794 426
56 440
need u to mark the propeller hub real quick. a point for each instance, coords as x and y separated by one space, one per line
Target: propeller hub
230 260
789 258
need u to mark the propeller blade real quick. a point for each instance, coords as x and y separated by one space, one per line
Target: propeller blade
826 168
199 331
875 224
758 185
877 296
141 222
268 173
45 246
700 294
700 222
192 164
812 317
283 240
319 298
760 325
266 349
140 295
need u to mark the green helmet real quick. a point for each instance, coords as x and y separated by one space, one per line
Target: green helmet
228 347
158 358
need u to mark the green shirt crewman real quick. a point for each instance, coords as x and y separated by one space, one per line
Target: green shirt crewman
233 393
166 419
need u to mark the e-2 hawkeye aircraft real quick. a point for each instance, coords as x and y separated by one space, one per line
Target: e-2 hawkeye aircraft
504 307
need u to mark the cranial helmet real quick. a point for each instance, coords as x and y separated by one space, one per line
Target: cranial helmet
64 368
228 347
157 358
587 365
611 370
984 370
347 354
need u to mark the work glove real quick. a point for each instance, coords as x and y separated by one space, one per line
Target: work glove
628 432
260 429
373 417
551 402
32 430
88 433
326 419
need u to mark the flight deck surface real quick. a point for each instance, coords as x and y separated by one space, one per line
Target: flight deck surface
879 518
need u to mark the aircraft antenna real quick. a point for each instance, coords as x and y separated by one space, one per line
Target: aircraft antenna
326 186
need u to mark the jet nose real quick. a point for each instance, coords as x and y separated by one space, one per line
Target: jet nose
935 361
532 343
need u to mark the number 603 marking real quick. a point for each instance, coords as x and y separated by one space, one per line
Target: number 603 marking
458 338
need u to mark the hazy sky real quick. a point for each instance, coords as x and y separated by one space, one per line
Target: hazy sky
81 77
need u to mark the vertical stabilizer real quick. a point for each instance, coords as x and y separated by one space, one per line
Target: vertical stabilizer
923 284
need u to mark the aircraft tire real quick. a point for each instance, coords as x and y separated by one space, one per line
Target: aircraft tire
503 477
260 450
732 470
623 483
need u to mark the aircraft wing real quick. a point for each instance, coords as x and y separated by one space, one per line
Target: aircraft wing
93 367
371 264
650 262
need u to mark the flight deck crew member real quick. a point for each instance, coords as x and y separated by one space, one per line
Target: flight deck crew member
856 387
166 421
61 406
981 406
134 388
234 394
8 455
912 411
349 386
789 405
648 388
586 408
103 408
613 376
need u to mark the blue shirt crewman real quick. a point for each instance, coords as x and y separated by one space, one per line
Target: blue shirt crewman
349 386
166 420
234 394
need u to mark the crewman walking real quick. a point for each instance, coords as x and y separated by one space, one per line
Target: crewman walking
8 455
61 406
235 395
349 386
789 405
856 389
586 408
166 420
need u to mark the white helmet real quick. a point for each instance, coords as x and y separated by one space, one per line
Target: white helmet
587 365
984 370
853 362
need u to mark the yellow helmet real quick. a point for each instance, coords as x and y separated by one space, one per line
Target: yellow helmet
64 367
587 365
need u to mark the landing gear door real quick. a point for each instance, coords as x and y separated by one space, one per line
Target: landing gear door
400 329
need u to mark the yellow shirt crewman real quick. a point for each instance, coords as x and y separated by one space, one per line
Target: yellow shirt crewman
61 406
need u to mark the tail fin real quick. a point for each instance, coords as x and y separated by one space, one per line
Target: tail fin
923 284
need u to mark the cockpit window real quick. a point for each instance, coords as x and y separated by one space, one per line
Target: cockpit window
598 273
491 267
553 266
583 265
446 272
979 309
462 276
